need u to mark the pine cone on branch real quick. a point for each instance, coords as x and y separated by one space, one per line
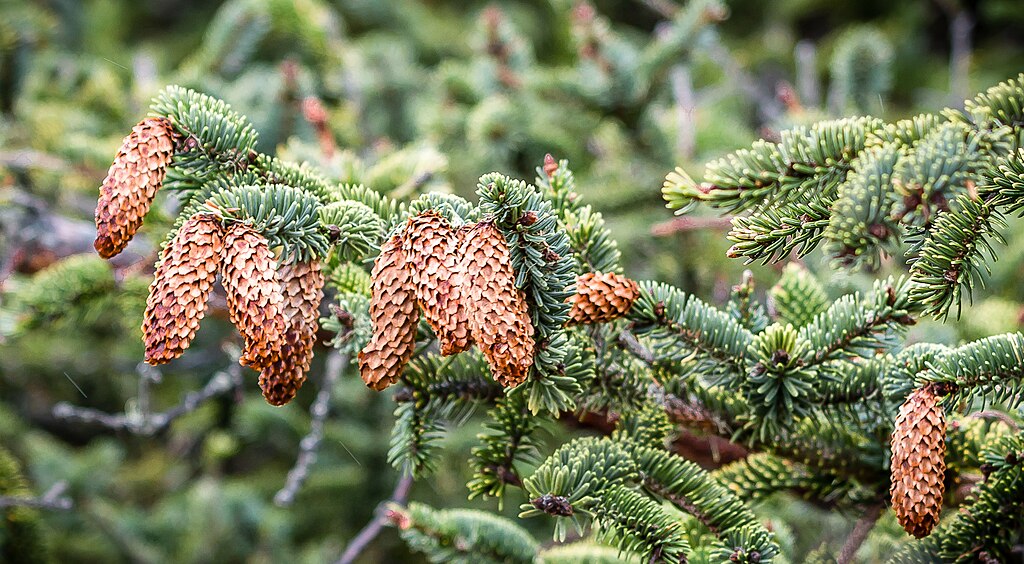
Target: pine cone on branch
918 462
601 298
302 287
394 314
132 182
430 248
249 275
181 287
499 316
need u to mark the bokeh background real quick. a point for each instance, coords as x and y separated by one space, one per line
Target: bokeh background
405 96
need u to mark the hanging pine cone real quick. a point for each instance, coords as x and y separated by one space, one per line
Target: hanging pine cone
430 248
301 285
131 183
918 462
181 288
499 316
600 298
248 273
394 315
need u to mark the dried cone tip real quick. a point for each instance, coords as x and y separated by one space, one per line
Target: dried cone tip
601 298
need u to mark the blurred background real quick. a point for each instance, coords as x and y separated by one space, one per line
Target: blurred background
405 96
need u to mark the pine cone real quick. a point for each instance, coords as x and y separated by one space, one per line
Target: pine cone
394 315
430 248
918 462
301 285
248 273
181 288
601 298
499 317
131 183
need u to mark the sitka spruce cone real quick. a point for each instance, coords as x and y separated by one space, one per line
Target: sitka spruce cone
181 287
302 289
394 315
499 316
918 462
132 182
249 275
601 298
430 248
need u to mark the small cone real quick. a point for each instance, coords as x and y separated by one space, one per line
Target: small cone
248 273
918 462
181 288
601 298
302 288
430 248
132 182
499 316
394 315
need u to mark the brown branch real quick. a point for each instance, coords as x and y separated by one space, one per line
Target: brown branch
859 534
54 498
687 223
374 527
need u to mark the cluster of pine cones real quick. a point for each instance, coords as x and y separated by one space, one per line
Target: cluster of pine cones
274 307
463 282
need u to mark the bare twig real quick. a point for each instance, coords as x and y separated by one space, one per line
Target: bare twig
859 534
148 424
807 73
310 444
373 528
687 223
686 110
54 498
629 341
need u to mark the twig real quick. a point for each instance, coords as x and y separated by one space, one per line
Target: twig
628 340
686 111
859 534
373 528
54 498
686 223
310 444
147 424
806 73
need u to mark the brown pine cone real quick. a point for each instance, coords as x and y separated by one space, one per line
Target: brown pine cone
600 298
394 315
181 288
249 275
301 285
430 248
918 462
131 183
499 316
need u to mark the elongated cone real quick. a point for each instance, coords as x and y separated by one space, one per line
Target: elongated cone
249 276
302 287
430 248
181 288
918 462
499 316
132 182
394 315
600 298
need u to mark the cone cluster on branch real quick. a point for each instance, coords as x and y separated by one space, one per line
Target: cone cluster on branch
464 283
132 182
601 298
918 462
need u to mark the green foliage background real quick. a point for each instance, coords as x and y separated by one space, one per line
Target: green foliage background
420 95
